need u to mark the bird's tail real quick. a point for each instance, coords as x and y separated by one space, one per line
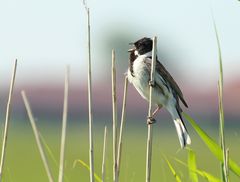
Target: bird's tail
183 136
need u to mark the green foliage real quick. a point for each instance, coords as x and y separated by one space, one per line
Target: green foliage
209 177
22 146
212 145
192 165
48 149
172 170
224 163
84 164
50 153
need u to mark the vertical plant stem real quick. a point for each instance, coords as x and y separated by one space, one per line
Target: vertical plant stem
91 150
150 129
104 154
37 137
114 110
123 119
227 163
224 165
64 125
7 118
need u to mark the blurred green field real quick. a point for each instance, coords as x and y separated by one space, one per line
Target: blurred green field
23 162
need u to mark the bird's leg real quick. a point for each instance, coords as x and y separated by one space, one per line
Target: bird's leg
151 83
156 110
151 119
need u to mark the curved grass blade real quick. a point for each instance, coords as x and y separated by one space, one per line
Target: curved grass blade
212 145
97 177
192 165
178 179
209 177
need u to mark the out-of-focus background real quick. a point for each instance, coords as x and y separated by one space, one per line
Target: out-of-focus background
47 35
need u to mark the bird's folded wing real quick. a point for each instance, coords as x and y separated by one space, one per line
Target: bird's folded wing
161 70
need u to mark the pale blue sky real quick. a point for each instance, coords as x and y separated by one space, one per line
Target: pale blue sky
48 34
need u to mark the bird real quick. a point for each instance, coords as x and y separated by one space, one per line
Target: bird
165 91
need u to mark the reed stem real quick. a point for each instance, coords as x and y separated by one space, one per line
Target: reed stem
91 149
7 118
37 137
104 154
90 113
114 110
64 125
150 129
123 120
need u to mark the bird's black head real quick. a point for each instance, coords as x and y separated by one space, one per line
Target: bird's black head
143 45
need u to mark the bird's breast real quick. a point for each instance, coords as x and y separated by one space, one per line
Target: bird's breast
140 77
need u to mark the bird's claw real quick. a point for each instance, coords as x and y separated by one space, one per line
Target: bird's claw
151 120
151 83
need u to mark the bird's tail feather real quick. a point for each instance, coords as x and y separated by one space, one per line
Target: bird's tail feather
183 136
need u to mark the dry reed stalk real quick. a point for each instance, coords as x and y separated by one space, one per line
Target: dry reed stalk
123 120
104 154
37 136
91 149
150 129
64 125
7 118
114 110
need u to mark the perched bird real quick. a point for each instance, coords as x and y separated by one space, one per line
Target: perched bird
165 93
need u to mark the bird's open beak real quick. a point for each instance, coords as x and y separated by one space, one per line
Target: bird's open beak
133 47
131 50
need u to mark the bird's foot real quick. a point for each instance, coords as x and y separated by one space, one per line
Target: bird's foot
151 120
151 83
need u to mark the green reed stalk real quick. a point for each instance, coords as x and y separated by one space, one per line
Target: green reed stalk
224 165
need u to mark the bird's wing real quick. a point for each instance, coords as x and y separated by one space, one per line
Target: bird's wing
161 70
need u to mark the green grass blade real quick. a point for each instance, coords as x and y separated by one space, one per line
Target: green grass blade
48 149
97 177
209 177
50 153
212 145
172 170
192 164
224 165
